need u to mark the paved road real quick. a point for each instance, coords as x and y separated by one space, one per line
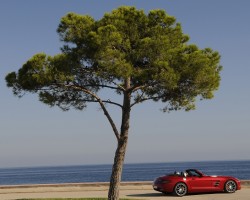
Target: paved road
127 191
239 195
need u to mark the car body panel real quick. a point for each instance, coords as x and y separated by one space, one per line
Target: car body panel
195 181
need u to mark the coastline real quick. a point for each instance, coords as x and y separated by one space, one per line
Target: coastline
244 183
131 172
131 190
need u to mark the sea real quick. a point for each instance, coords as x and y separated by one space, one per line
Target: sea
131 172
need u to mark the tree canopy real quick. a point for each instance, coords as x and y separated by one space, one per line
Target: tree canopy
150 49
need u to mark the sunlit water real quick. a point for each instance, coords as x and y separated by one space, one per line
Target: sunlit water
131 172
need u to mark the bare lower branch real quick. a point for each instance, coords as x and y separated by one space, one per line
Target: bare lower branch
101 104
103 86
105 101
110 120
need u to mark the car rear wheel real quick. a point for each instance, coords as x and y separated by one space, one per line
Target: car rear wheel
180 189
230 186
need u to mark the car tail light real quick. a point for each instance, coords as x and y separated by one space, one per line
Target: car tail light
161 181
165 181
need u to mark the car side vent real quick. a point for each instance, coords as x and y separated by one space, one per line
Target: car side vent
216 184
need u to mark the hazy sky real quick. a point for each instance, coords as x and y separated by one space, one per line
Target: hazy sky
32 134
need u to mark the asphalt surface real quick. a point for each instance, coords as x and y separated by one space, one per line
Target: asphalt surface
142 190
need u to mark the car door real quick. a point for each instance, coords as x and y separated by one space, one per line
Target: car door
200 184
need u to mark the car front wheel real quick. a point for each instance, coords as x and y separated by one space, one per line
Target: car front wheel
180 189
230 186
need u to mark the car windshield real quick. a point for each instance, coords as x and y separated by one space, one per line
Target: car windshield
192 172
188 173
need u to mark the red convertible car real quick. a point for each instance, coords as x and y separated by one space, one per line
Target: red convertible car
194 181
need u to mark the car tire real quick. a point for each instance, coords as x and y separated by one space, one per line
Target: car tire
230 186
180 189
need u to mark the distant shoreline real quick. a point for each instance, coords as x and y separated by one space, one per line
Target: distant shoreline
131 172
110 164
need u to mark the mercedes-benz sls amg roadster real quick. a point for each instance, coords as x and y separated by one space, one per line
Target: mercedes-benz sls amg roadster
194 181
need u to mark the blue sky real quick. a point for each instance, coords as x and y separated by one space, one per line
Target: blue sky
32 134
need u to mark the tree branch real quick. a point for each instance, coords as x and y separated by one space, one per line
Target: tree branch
102 106
103 86
110 119
105 101
145 99
137 87
119 86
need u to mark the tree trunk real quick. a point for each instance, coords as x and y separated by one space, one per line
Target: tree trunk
121 148
117 170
